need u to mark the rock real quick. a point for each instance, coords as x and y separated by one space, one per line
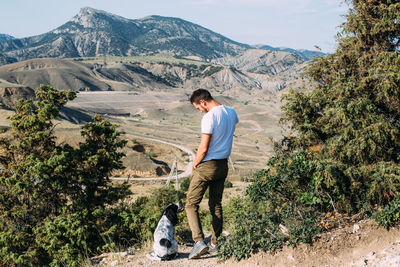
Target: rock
356 227
113 263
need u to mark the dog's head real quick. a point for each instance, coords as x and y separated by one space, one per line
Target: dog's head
172 210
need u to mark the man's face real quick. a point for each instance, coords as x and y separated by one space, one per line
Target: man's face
202 106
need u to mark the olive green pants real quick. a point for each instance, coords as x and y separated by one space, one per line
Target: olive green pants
210 174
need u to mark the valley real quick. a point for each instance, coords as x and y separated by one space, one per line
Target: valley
170 117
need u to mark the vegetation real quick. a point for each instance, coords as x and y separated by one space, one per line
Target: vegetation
53 197
57 203
343 155
4 129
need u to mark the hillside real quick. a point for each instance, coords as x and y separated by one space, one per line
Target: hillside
304 53
251 72
10 95
5 37
94 32
264 62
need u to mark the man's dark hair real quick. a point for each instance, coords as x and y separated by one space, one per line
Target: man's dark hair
200 94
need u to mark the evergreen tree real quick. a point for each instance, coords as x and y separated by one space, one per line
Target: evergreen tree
350 122
342 156
53 198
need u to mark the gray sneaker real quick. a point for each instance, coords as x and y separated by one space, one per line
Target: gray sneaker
213 250
199 249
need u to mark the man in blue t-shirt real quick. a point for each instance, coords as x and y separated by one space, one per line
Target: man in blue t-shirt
210 168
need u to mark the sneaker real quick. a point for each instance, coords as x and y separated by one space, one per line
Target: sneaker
212 250
199 249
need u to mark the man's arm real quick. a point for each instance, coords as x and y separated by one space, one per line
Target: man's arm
202 150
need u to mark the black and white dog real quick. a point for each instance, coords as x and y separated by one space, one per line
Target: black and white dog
165 246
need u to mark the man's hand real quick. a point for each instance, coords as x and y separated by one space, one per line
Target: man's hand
202 150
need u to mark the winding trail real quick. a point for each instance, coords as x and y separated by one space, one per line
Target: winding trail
186 173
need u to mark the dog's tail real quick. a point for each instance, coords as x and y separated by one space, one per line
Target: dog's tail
165 243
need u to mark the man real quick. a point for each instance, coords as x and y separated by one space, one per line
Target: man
210 168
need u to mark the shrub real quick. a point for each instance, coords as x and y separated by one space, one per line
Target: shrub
389 215
228 184
53 197
185 184
274 201
4 129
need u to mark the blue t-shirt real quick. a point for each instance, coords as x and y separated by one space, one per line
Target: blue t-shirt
220 121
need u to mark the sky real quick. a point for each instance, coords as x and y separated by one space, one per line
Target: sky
298 24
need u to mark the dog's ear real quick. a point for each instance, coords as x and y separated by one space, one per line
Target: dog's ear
180 206
171 211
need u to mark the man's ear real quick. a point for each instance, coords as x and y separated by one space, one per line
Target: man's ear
204 104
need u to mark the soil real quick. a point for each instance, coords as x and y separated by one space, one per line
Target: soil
361 244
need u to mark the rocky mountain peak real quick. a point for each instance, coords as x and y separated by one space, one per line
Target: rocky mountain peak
91 18
5 37
95 32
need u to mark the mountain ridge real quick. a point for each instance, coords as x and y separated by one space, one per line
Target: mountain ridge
304 53
5 37
92 32
95 32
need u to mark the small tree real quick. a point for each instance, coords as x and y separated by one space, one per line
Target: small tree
352 118
53 197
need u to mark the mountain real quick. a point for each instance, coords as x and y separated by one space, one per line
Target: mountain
10 95
251 72
3 58
305 54
263 61
68 74
94 32
5 37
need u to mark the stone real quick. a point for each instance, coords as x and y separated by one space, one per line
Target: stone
356 227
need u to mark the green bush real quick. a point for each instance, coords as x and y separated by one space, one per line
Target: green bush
228 184
273 200
185 184
53 198
389 215
4 129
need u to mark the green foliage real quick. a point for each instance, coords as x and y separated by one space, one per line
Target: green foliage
54 197
4 129
343 153
284 196
353 115
389 215
139 220
228 184
185 184
211 70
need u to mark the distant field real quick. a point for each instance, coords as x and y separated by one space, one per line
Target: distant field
170 117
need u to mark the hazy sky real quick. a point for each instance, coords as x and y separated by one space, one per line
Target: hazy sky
289 23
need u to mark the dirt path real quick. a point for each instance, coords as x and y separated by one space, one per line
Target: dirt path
363 244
